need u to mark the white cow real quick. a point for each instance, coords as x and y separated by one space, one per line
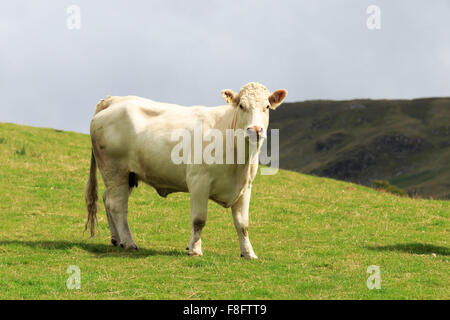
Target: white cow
131 142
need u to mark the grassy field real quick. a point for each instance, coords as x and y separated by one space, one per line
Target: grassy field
315 237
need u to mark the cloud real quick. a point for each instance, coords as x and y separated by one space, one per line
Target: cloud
185 52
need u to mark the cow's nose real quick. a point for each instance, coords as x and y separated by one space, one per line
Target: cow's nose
257 129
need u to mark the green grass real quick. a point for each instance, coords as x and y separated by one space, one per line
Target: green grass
315 237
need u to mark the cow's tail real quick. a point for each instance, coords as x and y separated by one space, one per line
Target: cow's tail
91 197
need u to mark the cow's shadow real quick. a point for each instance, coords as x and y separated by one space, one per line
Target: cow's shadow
99 250
415 248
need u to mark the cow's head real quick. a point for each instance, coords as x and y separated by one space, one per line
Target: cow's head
252 103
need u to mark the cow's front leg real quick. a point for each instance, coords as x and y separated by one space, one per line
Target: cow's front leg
199 208
240 218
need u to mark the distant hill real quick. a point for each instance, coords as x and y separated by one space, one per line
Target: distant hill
404 141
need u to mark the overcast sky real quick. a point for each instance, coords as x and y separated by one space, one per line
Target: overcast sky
187 51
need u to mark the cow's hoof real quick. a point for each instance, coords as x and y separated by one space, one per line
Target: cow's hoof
249 256
195 253
131 247
114 242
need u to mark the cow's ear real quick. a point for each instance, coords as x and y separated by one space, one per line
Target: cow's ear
228 95
277 97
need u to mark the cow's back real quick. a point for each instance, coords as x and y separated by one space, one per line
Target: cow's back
134 133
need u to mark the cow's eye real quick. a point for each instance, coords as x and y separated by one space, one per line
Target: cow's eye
240 106
268 107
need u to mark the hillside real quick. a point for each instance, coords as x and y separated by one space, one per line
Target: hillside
315 237
404 141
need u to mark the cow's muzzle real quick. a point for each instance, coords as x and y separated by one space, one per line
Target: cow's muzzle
256 131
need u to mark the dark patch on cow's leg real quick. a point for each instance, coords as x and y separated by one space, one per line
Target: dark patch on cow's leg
198 225
132 180
245 231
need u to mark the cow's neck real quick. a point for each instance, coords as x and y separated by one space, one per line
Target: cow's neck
245 172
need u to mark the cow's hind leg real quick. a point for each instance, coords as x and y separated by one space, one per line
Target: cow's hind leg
115 240
117 204
199 208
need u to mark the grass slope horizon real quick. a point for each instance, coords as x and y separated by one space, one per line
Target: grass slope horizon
315 237
404 141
